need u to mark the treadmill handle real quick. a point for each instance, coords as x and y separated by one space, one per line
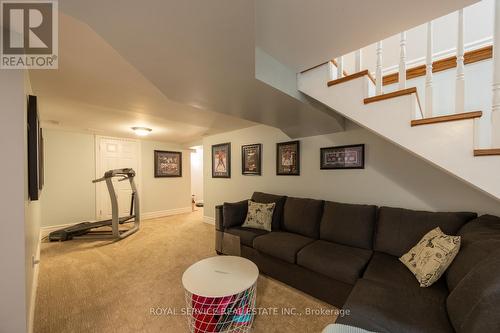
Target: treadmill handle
99 180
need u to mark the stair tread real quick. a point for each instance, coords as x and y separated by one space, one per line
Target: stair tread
348 78
451 117
487 152
393 94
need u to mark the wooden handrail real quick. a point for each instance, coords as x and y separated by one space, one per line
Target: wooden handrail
470 57
451 117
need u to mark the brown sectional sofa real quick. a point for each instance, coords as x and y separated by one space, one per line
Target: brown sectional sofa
347 255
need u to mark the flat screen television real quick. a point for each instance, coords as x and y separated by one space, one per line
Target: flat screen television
35 150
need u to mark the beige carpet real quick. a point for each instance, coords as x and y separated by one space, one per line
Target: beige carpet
90 286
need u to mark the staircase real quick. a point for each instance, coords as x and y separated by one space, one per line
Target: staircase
447 142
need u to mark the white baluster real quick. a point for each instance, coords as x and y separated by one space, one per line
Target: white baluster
428 73
495 108
331 71
402 61
358 61
340 67
378 70
460 83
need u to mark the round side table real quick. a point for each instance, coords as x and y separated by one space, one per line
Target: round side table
220 294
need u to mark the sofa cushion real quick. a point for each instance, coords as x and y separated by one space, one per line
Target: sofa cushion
281 245
470 255
279 200
348 224
234 213
474 303
302 216
339 262
380 308
388 270
246 235
483 228
398 230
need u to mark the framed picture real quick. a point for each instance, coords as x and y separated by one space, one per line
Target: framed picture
168 163
343 157
251 163
35 179
288 158
221 160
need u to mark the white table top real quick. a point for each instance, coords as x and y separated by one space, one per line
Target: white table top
220 276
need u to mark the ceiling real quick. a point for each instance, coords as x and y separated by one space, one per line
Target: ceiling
187 68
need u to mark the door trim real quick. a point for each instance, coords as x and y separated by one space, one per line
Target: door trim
97 147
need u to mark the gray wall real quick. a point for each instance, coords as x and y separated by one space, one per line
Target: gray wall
69 195
392 176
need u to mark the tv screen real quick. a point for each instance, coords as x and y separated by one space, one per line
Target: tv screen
35 158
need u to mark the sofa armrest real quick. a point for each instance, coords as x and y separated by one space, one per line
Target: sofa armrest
219 216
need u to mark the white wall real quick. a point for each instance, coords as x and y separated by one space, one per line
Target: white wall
392 176
19 227
164 194
197 174
69 195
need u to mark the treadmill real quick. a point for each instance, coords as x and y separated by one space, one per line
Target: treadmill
84 229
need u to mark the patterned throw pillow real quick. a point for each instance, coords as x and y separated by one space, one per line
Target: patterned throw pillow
259 216
430 258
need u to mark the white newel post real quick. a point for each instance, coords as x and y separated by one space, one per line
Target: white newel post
378 71
495 108
340 67
460 83
402 61
428 73
357 61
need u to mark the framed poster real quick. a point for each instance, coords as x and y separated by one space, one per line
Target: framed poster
288 158
343 157
168 163
221 160
34 136
251 163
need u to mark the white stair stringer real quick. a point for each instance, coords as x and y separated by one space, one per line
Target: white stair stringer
448 145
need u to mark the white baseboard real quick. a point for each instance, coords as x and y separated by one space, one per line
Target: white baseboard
34 285
168 212
209 220
45 231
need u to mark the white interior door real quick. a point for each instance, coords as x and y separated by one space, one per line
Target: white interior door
115 153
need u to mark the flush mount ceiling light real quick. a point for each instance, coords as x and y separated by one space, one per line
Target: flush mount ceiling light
141 131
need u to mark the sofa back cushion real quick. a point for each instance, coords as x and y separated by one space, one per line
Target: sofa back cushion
480 238
348 224
398 230
234 213
473 304
279 200
302 216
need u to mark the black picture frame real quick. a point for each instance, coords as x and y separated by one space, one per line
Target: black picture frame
33 133
251 165
223 153
357 153
293 149
167 164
